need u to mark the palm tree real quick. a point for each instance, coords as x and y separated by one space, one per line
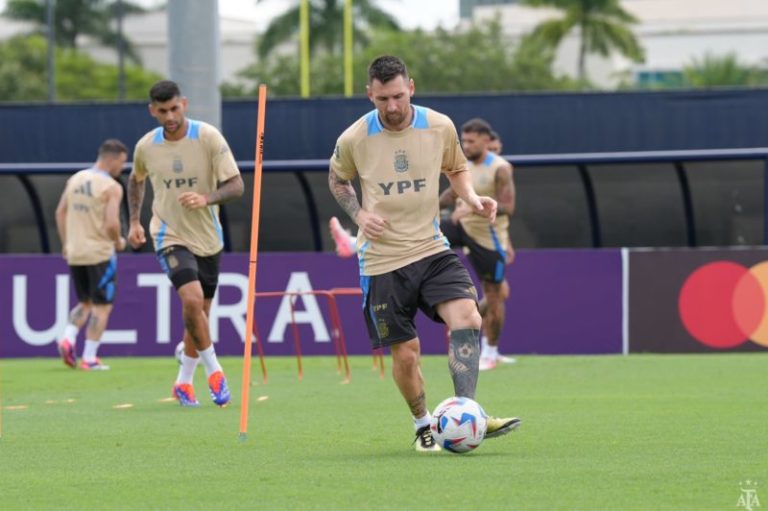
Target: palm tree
75 17
602 24
325 25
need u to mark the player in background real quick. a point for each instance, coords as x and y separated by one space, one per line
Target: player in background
88 222
488 245
405 262
192 171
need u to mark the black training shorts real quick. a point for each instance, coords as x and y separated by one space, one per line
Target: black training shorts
489 265
390 300
96 283
182 267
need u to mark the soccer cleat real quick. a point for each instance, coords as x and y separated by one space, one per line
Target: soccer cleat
486 364
217 384
501 359
94 365
185 395
341 238
424 441
67 353
498 426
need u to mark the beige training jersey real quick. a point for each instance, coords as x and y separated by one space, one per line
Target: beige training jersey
496 236
87 240
399 175
196 163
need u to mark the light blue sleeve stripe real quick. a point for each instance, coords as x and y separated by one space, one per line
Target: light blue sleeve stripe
216 224
488 159
420 121
193 133
161 235
158 137
374 125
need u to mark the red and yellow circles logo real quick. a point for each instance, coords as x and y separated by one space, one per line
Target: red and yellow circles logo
723 304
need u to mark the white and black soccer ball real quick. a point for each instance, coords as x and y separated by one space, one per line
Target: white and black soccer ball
179 351
458 424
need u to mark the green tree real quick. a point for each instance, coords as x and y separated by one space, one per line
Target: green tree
73 18
478 59
603 27
23 68
326 25
721 71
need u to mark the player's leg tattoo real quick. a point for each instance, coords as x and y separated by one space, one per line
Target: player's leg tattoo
464 360
77 314
418 405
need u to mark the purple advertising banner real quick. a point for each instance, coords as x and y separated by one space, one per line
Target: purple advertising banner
561 302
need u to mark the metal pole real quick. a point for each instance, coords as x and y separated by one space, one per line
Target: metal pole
50 20
120 52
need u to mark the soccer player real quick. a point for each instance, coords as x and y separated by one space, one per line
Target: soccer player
398 151
88 221
488 245
192 171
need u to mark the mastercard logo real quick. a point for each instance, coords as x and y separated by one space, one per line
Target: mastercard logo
723 304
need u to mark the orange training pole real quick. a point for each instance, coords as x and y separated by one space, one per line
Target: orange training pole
252 261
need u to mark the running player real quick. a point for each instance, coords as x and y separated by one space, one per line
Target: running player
488 244
192 171
88 222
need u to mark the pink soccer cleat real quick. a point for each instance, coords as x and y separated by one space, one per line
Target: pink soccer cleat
341 237
67 353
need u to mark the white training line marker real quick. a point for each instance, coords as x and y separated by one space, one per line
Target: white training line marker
51 402
166 400
262 398
123 406
16 407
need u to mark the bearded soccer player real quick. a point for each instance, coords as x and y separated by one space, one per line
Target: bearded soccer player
192 171
398 152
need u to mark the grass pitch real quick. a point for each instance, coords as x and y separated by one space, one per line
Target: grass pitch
611 432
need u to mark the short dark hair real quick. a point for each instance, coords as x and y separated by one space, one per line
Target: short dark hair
495 136
164 90
112 147
385 68
476 125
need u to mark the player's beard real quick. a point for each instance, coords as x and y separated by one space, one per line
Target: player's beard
172 127
394 118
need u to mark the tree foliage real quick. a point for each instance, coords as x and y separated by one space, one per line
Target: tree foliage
603 27
72 18
23 74
326 25
478 59
722 71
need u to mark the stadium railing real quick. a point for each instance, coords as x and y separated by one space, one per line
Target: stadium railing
579 160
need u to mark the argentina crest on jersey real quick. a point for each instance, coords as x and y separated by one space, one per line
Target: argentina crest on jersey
178 166
401 161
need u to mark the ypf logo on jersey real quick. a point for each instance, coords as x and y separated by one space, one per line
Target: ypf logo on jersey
723 304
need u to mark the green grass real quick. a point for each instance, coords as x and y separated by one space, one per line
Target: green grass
637 432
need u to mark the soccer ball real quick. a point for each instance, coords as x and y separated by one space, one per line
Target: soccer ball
179 351
458 424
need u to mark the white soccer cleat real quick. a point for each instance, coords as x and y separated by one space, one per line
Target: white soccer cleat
486 364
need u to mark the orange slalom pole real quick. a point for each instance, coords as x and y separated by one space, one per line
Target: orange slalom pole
256 208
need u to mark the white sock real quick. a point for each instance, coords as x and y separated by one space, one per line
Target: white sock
90 349
211 363
484 341
187 369
70 334
490 352
422 421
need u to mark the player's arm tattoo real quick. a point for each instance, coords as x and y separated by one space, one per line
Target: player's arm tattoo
505 190
135 197
418 405
344 193
230 189
464 361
